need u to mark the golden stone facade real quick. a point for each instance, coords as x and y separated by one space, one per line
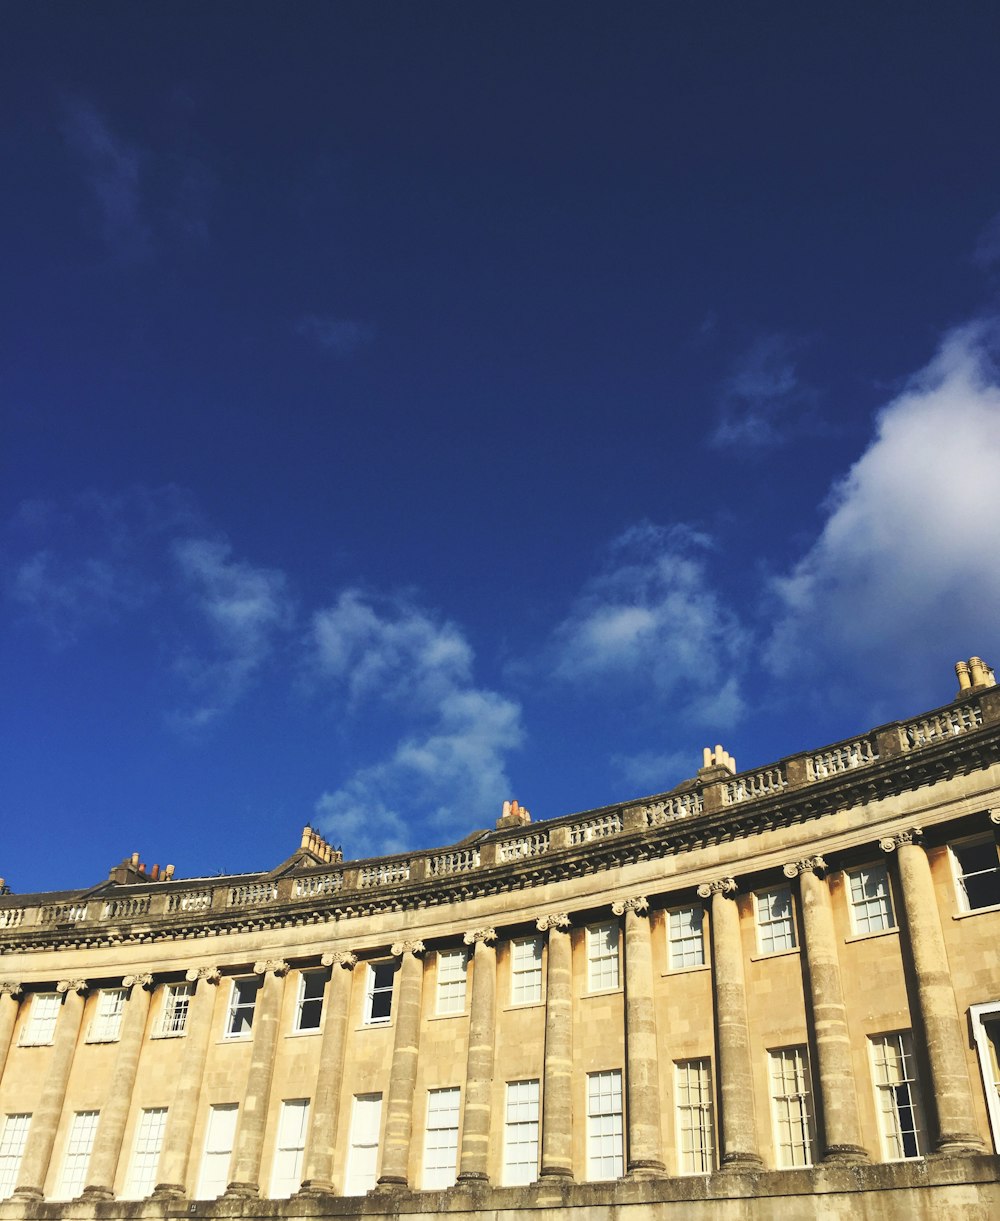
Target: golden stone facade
763 994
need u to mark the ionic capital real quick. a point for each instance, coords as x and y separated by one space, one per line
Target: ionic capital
142 981
211 975
485 935
721 886
340 958
406 947
556 920
810 864
891 842
639 904
995 816
9 987
276 966
78 986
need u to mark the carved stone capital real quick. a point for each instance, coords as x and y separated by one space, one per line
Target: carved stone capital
556 920
810 864
275 966
72 985
995 816
210 975
340 958
639 904
891 842
485 935
406 947
10 987
143 981
721 886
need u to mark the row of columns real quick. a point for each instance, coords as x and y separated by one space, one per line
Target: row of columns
951 1087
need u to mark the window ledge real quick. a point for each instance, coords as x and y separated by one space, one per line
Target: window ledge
524 1005
303 1034
881 932
976 911
603 992
169 1034
702 966
443 1017
774 954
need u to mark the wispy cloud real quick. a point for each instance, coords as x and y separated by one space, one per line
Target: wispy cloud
765 401
244 607
905 558
652 621
338 336
448 769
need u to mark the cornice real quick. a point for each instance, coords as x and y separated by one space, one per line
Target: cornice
636 842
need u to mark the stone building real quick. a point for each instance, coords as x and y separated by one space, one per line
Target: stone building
763 994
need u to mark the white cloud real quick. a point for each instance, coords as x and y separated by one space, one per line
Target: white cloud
244 607
339 336
446 775
905 564
765 401
651 621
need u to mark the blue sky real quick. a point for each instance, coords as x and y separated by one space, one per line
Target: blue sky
409 407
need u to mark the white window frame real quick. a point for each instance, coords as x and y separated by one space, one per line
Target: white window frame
146 1150
289 1148
241 1012
694 1110
959 874
890 1118
775 933
361 1174
989 1060
106 1024
520 1133
373 991
175 1010
603 959
13 1138
451 981
869 897
76 1157
685 941
40 1027
792 1119
605 1126
440 1165
526 971
216 1159
307 982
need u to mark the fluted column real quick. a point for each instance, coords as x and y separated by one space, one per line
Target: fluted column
45 1120
184 1108
317 1167
114 1114
557 1096
842 1140
942 1026
472 1164
737 1121
249 1145
642 1076
10 999
403 1075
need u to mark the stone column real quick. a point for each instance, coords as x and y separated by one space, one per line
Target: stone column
249 1145
737 1122
642 1076
943 1029
472 1163
842 1141
45 1120
184 1109
8 1016
114 1114
557 1084
317 1178
403 1075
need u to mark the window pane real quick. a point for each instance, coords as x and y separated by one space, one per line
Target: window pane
13 1136
602 957
792 1106
521 1134
76 1159
685 937
775 927
605 1144
362 1159
146 1154
42 1017
309 1014
441 1138
979 873
871 906
242 1004
107 1021
695 1129
451 976
896 1090
526 971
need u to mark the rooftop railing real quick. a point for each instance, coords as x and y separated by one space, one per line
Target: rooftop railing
509 848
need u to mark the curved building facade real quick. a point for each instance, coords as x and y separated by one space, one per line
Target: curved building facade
763 994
